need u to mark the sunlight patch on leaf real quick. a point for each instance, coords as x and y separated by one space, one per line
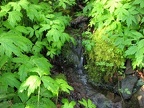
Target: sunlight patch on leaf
32 83
23 4
42 66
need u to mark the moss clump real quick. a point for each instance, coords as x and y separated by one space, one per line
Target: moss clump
104 59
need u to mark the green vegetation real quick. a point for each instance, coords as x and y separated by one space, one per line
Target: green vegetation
33 32
87 103
118 35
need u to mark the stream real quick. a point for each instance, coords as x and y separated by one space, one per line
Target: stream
72 65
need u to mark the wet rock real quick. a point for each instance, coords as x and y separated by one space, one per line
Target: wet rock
140 97
127 86
102 102
76 22
129 70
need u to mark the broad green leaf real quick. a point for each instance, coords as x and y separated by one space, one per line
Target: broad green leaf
15 43
83 102
16 6
4 10
31 31
64 37
42 66
11 79
44 27
5 104
54 35
23 71
22 29
23 96
140 2
63 85
112 4
50 84
90 104
43 103
139 57
136 35
38 47
130 19
45 93
122 11
3 60
57 45
32 83
141 44
131 50
68 104
32 11
14 17
3 86
18 105
51 52
23 4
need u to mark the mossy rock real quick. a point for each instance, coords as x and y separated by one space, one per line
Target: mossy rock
104 59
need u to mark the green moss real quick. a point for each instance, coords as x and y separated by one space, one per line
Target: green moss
104 59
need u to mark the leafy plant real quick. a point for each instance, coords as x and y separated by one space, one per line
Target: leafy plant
87 103
31 34
68 104
119 24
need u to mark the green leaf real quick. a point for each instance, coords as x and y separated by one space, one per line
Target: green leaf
140 2
141 44
83 102
3 60
11 42
4 10
31 31
53 35
23 4
112 4
18 105
50 84
32 11
38 47
131 50
22 29
42 66
68 104
43 103
5 104
16 6
122 11
14 17
23 96
44 27
11 79
32 83
45 93
136 35
63 85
